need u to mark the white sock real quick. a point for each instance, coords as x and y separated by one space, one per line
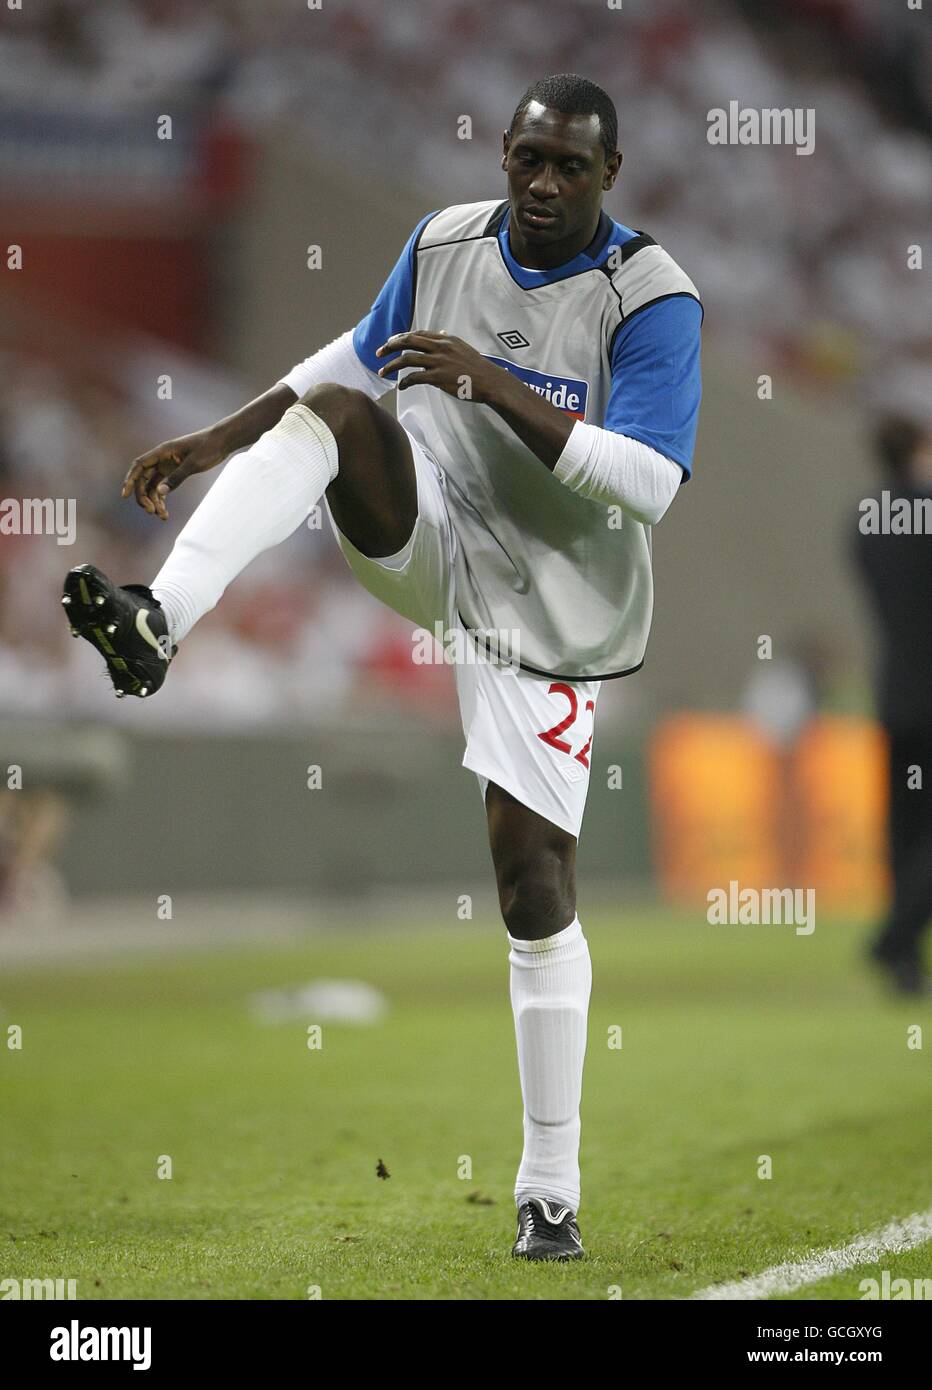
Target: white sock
550 984
259 499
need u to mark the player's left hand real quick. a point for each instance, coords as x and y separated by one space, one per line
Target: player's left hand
442 361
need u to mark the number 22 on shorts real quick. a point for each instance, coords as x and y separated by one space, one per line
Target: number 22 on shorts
552 736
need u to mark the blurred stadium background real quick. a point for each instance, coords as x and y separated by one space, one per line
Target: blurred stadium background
146 260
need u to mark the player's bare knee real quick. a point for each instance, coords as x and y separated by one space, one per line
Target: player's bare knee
342 407
536 901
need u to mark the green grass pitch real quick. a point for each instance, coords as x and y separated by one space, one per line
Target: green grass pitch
736 1042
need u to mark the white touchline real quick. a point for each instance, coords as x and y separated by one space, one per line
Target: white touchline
867 1249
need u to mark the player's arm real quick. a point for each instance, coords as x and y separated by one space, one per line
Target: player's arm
600 464
161 470
348 360
641 455
644 452
453 366
155 473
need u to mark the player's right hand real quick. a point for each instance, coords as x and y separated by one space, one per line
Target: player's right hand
155 474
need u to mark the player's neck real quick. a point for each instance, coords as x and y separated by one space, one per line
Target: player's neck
549 257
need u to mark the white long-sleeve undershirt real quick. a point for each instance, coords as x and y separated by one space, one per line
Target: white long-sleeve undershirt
618 471
336 362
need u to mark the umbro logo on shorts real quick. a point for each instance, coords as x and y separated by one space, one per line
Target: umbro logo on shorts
567 393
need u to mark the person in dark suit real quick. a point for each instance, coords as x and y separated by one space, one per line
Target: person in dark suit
893 548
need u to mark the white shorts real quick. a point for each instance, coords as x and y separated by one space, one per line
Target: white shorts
531 735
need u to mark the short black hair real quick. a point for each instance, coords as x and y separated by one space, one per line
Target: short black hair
574 96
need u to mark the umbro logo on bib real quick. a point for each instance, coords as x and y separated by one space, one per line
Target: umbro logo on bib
513 339
565 392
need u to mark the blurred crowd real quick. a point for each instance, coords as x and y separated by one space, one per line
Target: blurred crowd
805 252
806 255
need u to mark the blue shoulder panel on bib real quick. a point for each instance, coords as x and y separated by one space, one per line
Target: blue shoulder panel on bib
656 381
393 310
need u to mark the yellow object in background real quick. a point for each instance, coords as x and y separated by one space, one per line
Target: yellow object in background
715 784
728 804
839 784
